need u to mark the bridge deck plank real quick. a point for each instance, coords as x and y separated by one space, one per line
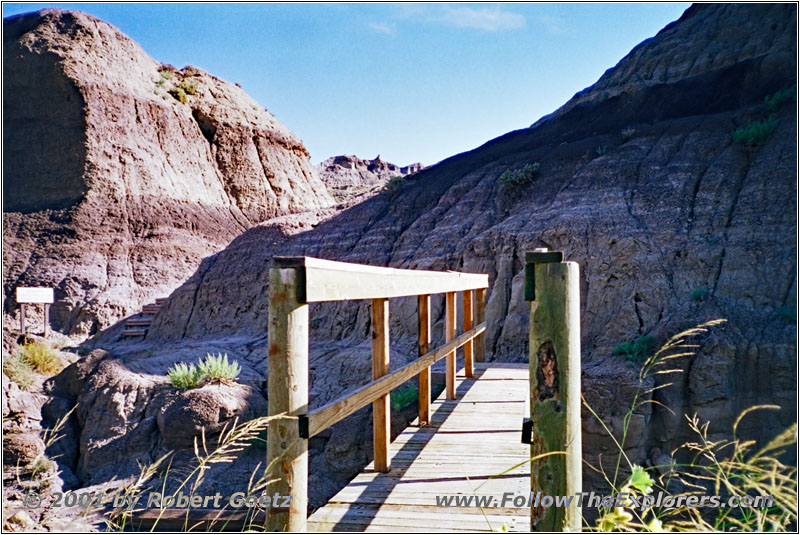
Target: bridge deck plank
470 442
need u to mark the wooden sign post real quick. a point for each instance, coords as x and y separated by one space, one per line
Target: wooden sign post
553 288
28 296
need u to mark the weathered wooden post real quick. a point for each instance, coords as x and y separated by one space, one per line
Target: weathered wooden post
449 334
553 288
480 316
424 344
381 420
287 452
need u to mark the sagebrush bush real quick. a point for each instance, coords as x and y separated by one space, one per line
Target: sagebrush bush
43 359
189 86
636 350
19 370
777 100
217 368
184 376
396 183
699 293
404 396
178 94
520 176
755 134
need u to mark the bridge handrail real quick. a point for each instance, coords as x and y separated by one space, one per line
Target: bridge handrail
294 282
343 406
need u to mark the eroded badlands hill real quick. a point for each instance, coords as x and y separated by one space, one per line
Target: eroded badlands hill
121 173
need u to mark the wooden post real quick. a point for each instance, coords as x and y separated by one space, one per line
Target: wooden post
22 326
381 420
424 343
46 318
555 406
469 366
480 317
449 334
287 452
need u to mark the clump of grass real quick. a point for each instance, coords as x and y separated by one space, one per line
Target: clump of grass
519 177
189 86
217 368
165 75
601 150
777 100
636 350
404 396
19 370
178 94
184 376
43 359
698 294
756 134
627 133
395 183
788 312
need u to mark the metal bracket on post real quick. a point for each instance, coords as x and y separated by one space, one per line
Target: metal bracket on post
538 256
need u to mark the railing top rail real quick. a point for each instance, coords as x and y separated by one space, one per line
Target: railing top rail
327 280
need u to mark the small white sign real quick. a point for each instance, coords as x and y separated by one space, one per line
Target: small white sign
34 295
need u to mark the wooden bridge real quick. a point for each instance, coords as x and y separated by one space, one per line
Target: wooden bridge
464 445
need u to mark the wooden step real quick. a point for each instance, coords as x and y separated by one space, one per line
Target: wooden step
150 309
161 300
139 322
132 333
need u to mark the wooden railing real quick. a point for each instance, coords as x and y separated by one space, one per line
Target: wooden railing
296 281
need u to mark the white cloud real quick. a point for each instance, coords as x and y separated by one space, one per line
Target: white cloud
379 27
485 19
553 24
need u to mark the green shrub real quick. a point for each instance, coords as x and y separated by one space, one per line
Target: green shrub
601 150
218 368
518 177
404 396
19 370
165 75
43 359
184 376
628 133
755 134
699 293
788 312
777 100
189 86
396 183
178 94
636 350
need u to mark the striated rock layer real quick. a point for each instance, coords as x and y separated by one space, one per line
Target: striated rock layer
640 182
120 173
349 178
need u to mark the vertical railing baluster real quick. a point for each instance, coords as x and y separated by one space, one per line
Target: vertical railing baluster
480 317
469 365
424 343
381 417
449 334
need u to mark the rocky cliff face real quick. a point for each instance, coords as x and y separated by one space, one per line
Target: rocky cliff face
121 173
350 178
640 182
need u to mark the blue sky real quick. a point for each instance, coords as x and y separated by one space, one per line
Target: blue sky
411 82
